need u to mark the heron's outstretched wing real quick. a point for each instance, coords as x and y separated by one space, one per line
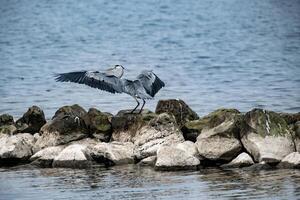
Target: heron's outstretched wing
150 82
93 79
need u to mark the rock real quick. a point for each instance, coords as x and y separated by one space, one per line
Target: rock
290 118
189 147
160 131
67 125
98 124
290 161
73 156
126 124
45 157
16 148
32 121
171 158
259 166
242 160
192 129
7 124
72 111
149 161
114 153
220 142
6 119
178 108
266 136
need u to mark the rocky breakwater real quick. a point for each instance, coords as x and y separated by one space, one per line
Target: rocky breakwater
173 137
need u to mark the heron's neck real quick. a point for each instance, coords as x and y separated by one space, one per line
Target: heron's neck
119 72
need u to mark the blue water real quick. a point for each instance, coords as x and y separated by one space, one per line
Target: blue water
211 54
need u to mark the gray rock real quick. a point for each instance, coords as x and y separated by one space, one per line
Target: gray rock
98 124
189 147
149 161
161 130
16 148
178 108
125 124
192 129
266 136
67 125
242 160
114 153
31 121
290 161
171 158
45 157
220 143
73 156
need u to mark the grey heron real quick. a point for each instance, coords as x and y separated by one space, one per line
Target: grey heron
144 87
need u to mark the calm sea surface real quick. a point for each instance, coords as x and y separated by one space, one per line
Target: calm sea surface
211 54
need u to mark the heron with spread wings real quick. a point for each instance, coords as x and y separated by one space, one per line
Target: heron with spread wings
145 86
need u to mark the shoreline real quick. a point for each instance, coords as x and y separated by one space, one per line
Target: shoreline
172 138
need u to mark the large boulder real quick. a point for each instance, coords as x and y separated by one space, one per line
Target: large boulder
126 124
31 121
266 136
7 124
162 130
114 153
242 160
178 108
290 161
67 125
189 147
219 138
98 124
16 148
192 129
73 156
171 158
45 157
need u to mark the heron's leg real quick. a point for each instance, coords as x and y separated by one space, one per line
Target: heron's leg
142 106
138 103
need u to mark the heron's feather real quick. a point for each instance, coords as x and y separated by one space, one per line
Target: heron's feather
150 82
93 79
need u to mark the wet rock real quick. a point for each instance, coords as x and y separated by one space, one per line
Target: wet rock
31 121
98 124
114 153
290 118
16 148
45 157
160 131
171 158
149 161
67 125
7 124
125 124
219 140
266 136
73 156
242 160
192 129
259 166
178 108
290 161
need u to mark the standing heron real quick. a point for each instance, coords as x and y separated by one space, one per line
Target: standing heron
145 86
